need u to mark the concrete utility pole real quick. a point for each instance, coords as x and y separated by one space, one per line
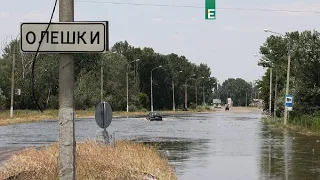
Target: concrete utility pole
287 87
288 74
246 98
270 93
151 91
218 97
67 141
12 80
252 91
173 101
127 76
196 94
204 98
185 91
275 96
270 89
108 53
196 87
151 94
185 95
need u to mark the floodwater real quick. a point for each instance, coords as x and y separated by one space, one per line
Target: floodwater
221 145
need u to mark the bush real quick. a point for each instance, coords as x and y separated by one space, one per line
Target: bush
143 100
193 106
54 102
144 110
2 100
133 108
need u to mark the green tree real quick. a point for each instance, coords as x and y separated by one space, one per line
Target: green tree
2 100
236 89
304 75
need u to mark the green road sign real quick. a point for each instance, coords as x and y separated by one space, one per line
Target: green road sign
210 9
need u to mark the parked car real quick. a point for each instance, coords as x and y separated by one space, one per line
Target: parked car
154 116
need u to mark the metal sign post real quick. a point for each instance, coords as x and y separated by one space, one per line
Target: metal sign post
104 122
103 117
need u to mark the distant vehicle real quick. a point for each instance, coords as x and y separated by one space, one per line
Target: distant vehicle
216 103
154 116
229 102
227 107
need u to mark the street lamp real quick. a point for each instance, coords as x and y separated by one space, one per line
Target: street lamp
185 90
101 79
203 94
135 71
270 86
197 89
288 73
127 74
217 89
151 87
173 101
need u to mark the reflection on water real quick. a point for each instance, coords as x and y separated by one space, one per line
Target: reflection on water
222 145
179 151
287 155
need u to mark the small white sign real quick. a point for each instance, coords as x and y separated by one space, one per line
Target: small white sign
64 37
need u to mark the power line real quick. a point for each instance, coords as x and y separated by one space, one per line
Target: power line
36 55
195 7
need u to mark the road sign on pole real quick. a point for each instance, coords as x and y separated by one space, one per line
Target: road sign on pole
103 117
210 10
103 114
64 37
289 102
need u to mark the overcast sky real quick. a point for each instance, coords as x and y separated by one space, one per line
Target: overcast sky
226 44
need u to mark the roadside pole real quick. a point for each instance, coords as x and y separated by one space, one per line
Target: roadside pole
275 96
270 93
67 142
91 37
12 81
185 96
287 88
101 80
173 102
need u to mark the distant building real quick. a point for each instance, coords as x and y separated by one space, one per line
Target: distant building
216 102
257 103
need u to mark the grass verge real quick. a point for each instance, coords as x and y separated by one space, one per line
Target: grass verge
293 126
126 161
23 116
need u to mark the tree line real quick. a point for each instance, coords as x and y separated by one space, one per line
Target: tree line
175 71
304 72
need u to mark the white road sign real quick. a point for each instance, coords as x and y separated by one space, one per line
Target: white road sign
65 37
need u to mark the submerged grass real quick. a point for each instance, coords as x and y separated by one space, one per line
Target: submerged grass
126 161
306 125
23 116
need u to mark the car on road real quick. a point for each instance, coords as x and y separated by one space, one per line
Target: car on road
154 116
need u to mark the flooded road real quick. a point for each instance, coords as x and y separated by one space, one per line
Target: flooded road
221 145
